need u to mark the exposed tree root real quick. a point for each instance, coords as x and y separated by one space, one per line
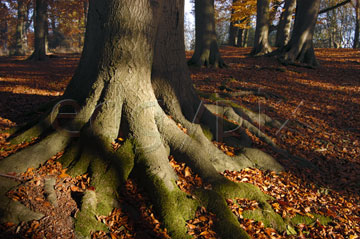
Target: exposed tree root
30 157
230 114
198 158
12 211
35 155
147 155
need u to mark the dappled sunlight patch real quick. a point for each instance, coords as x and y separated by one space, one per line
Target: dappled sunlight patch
295 197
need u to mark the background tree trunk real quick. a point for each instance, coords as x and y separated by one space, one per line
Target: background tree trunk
300 47
245 38
357 24
240 37
261 41
20 39
41 22
206 46
233 34
233 31
284 27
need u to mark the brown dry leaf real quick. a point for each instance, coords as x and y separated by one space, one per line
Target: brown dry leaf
187 172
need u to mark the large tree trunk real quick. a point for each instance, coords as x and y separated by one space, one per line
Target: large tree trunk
261 41
41 28
284 26
300 48
206 46
357 24
20 39
122 79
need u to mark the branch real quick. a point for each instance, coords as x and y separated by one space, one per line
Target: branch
334 7
10 176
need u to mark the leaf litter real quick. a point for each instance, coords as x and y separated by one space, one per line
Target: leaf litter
324 130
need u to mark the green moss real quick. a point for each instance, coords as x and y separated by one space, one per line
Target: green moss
265 214
85 221
71 154
173 206
300 219
81 165
226 224
28 135
11 130
207 132
246 110
269 218
106 185
229 189
124 160
215 97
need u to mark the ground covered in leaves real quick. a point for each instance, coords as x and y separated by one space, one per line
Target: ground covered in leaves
319 109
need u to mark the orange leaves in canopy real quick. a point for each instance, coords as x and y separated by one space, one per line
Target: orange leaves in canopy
243 10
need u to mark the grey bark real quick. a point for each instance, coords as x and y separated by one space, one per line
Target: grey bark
261 41
300 48
41 28
357 24
206 46
283 29
20 39
334 7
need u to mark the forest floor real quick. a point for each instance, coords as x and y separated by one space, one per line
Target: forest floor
319 109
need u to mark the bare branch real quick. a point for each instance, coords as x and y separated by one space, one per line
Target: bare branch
334 7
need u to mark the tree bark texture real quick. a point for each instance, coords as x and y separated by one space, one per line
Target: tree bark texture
261 41
284 26
41 28
233 34
206 46
300 48
233 30
357 24
20 39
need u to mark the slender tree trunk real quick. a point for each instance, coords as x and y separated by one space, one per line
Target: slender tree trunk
41 22
357 24
284 27
240 37
233 31
246 37
233 34
20 39
261 41
300 47
206 46
4 36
